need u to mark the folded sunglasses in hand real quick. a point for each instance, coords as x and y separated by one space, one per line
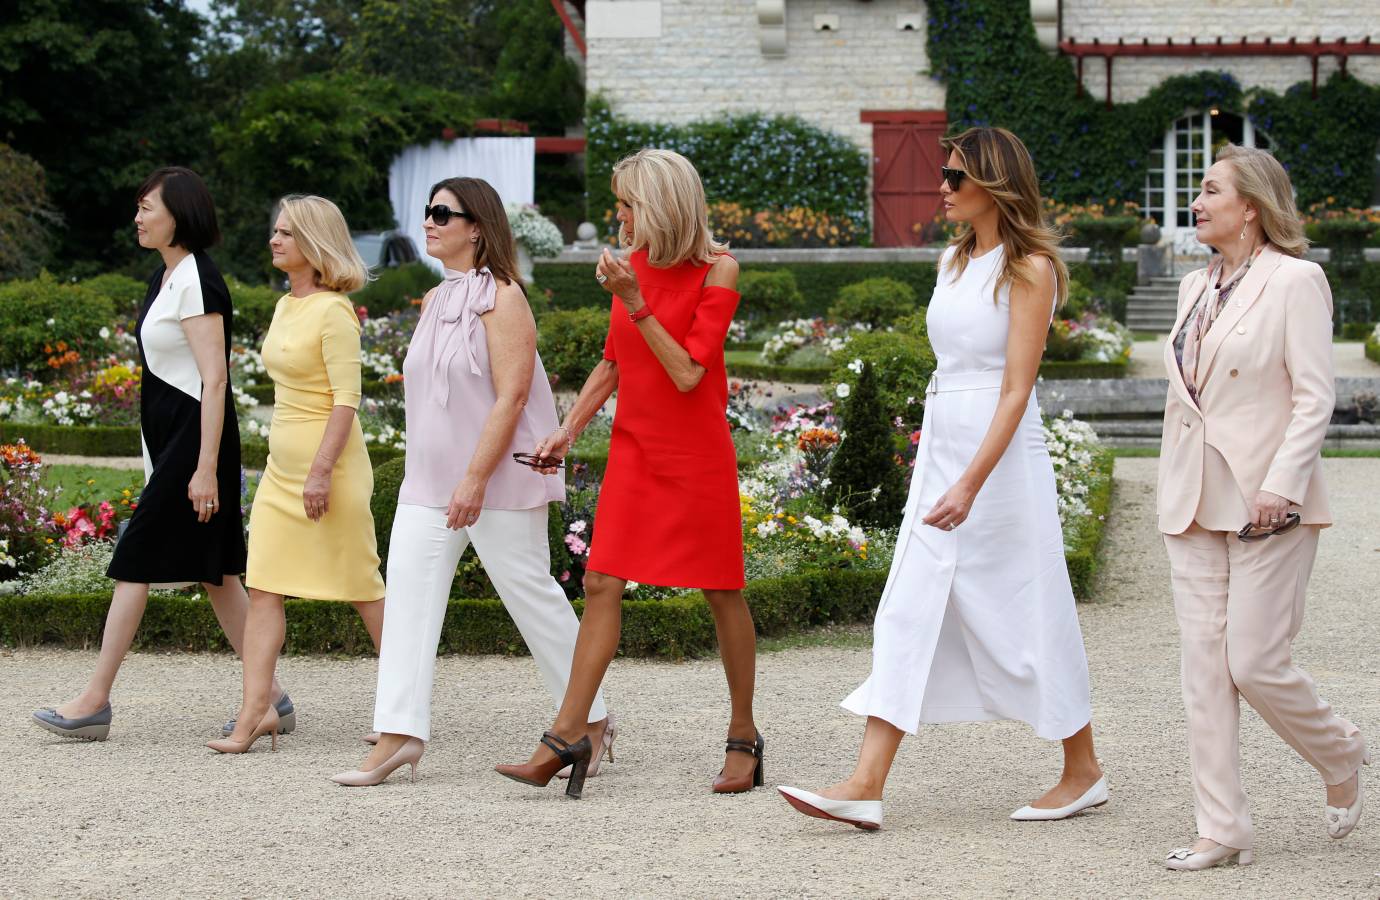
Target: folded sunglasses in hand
531 460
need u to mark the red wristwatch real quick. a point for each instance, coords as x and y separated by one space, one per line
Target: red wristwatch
641 314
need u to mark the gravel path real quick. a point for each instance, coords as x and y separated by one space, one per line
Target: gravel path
151 813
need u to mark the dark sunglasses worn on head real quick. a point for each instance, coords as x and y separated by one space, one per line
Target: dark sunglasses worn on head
953 176
537 462
441 214
1249 533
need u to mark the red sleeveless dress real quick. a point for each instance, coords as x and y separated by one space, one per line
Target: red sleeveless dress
668 510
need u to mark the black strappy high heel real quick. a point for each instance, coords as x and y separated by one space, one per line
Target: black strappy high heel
576 755
753 748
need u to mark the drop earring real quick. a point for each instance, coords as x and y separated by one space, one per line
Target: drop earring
1243 231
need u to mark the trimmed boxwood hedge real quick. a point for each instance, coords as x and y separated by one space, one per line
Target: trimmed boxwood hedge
1057 369
572 285
79 440
254 454
675 628
1049 369
1373 351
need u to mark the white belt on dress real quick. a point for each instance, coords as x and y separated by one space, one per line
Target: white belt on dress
943 382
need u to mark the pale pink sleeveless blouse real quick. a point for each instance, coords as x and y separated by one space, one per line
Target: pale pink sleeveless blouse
449 393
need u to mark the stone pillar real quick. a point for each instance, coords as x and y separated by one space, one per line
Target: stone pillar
1153 259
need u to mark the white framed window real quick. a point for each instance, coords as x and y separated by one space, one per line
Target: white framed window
1176 168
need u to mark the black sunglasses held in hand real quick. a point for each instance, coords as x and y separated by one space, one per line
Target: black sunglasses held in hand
441 214
953 176
533 461
1291 522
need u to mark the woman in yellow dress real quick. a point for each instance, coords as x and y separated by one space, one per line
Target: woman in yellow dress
311 533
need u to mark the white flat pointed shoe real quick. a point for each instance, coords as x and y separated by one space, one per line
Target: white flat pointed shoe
1340 820
1185 860
1094 796
864 814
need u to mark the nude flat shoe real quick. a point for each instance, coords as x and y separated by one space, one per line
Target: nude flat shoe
1340 820
1185 860
1092 797
409 753
864 814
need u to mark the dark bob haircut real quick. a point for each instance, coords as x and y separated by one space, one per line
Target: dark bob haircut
186 197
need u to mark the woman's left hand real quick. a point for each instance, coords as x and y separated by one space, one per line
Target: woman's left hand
620 280
316 494
1270 510
466 503
951 509
202 491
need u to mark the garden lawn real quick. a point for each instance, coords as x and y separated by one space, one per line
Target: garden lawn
94 481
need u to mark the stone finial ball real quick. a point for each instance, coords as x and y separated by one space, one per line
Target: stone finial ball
586 231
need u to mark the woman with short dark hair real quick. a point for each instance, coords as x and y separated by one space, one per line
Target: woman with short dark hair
187 526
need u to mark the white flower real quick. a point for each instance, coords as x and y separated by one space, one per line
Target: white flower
577 527
104 333
856 366
843 390
52 322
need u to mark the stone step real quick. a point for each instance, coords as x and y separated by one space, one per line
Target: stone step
1147 432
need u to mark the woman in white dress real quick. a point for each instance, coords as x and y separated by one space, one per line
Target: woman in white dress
977 621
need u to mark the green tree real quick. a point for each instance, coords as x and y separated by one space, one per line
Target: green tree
414 42
100 92
865 480
534 81
27 218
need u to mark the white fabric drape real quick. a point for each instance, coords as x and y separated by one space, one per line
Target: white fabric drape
507 163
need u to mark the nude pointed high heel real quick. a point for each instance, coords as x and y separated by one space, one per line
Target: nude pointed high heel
268 725
409 753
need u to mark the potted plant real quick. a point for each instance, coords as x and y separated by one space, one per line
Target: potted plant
536 236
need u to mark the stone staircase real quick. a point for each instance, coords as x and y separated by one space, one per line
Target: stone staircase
1152 307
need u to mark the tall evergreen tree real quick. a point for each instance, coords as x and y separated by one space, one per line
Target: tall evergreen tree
865 480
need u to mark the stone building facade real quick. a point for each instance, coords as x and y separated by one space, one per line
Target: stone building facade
859 68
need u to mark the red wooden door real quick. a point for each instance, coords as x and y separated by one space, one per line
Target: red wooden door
906 158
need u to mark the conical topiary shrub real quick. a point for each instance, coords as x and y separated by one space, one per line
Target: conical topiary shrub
865 481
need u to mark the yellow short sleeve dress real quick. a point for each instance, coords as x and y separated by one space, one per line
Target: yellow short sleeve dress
312 353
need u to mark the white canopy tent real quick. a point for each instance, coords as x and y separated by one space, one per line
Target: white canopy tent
507 163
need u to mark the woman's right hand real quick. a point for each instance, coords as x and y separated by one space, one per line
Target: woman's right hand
316 493
554 446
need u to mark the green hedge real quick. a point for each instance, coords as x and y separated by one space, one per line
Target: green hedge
760 162
1084 559
1373 351
371 388
79 440
573 286
1057 369
254 453
1050 369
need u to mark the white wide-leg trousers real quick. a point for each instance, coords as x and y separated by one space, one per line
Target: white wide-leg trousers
422 556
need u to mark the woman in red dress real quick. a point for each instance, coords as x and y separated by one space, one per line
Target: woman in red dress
668 508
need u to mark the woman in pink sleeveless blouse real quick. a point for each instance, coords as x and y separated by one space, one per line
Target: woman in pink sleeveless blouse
476 392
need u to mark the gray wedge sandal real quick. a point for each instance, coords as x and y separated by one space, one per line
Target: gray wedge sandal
95 727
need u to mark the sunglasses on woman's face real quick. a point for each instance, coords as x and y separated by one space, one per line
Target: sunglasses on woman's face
441 214
1252 533
953 176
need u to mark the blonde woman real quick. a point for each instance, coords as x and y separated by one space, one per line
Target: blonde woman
311 534
1242 498
668 507
977 620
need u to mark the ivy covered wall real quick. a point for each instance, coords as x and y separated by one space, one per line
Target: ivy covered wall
985 53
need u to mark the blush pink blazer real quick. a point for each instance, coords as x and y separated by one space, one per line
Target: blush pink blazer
1265 397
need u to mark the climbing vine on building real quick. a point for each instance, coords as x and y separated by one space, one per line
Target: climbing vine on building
995 73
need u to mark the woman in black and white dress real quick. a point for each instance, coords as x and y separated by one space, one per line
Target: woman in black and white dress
187 526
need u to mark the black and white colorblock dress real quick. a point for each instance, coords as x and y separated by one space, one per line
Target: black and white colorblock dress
164 543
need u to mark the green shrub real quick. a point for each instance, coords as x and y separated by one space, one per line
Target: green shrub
572 285
43 312
864 479
126 294
1083 542
877 302
1054 370
903 362
78 440
1357 331
388 478
760 371
760 162
571 344
1373 350
254 306
28 219
396 288
769 295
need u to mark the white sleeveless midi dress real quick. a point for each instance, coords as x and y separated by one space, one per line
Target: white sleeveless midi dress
978 623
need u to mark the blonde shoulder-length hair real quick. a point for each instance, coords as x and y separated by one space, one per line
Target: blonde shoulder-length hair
998 161
322 235
670 215
1262 182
